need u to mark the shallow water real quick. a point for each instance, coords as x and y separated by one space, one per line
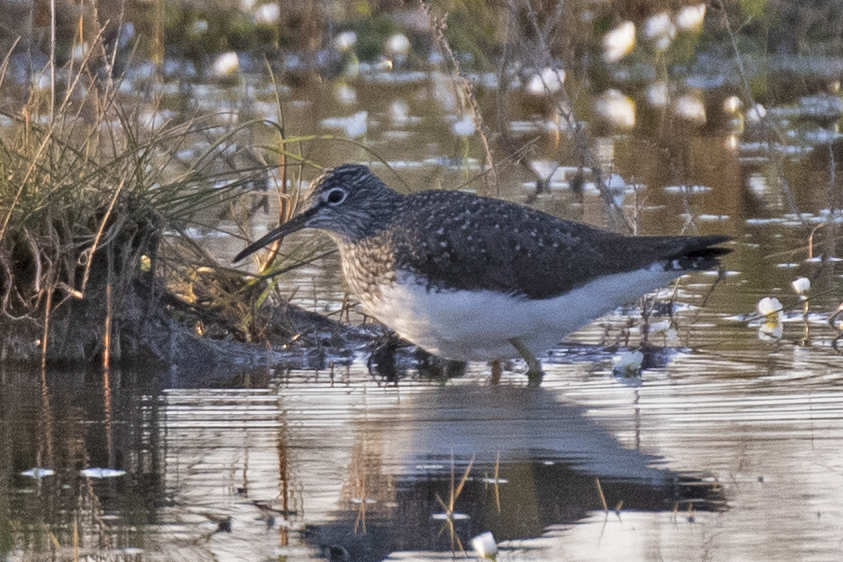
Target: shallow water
725 447
729 455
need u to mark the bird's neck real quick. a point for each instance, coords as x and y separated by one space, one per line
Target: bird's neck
368 264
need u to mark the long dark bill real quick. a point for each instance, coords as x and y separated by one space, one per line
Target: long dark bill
296 223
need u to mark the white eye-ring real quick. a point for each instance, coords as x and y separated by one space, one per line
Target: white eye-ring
335 196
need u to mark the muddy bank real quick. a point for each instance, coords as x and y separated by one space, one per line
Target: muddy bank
153 327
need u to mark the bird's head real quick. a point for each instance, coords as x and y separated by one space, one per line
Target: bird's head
348 201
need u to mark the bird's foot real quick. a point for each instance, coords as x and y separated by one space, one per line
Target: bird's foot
534 366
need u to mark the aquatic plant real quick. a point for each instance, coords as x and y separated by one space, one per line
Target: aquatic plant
90 185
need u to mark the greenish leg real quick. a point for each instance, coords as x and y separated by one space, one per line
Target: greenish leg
534 366
497 371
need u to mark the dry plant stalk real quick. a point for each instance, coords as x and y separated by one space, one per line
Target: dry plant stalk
438 25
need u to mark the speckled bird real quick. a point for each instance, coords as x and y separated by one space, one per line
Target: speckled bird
474 278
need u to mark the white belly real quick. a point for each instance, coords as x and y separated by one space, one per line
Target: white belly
478 325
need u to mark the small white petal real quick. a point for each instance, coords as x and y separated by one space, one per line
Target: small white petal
397 44
756 113
549 81
465 127
660 30
690 108
801 285
769 306
268 14
690 18
616 108
484 545
628 363
357 125
732 104
619 42
657 93
226 64
345 41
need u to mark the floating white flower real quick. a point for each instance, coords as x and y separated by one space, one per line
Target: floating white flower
732 105
658 93
619 42
801 286
268 14
770 308
485 546
549 81
345 94
660 30
357 125
399 112
628 363
756 113
345 41
226 64
616 108
690 108
770 331
465 127
690 18
397 45
80 51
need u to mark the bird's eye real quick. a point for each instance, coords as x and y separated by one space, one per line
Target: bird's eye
335 196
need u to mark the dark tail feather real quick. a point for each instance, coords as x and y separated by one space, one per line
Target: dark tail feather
702 254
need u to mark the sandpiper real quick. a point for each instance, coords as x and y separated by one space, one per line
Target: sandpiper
473 278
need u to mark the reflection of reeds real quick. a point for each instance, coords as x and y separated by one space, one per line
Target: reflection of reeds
367 486
454 491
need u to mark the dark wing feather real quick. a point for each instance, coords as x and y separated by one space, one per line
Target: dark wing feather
467 242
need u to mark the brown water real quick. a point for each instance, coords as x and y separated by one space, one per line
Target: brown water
726 447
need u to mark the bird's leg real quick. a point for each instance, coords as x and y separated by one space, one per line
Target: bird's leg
497 371
534 366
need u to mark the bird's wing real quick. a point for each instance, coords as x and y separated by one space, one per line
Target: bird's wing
468 242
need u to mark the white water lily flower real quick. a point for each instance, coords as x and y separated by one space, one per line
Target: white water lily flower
628 363
771 308
756 113
485 546
732 104
691 108
345 41
226 64
770 331
397 45
690 18
619 42
549 81
801 285
465 127
357 125
616 108
268 14
660 30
